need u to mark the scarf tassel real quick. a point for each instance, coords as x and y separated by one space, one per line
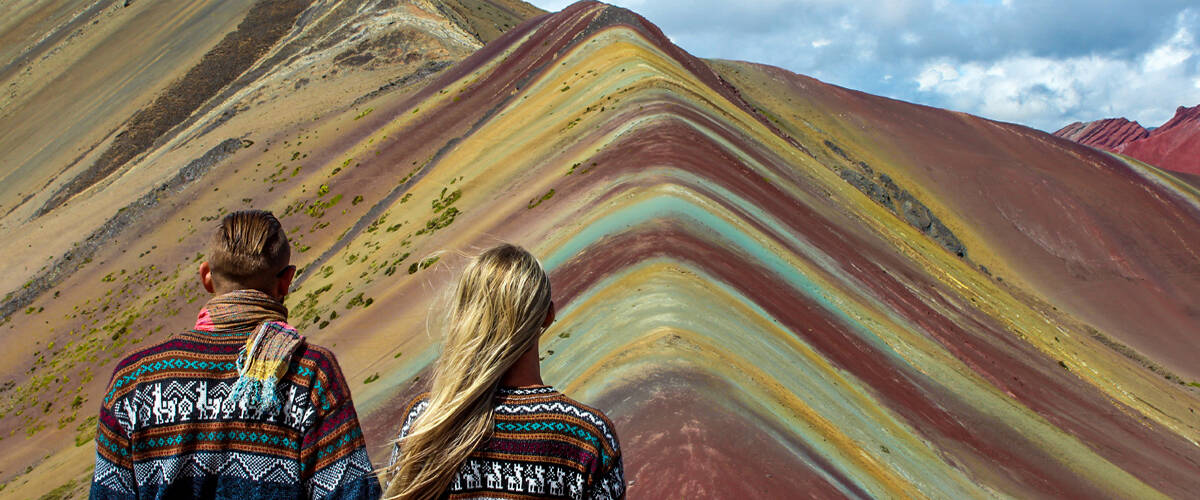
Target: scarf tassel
256 394
263 360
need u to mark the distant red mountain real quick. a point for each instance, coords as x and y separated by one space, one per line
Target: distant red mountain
1108 133
1173 146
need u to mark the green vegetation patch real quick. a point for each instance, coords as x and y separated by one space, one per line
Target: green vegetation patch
317 209
417 266
538 201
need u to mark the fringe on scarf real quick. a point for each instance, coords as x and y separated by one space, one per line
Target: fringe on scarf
263 361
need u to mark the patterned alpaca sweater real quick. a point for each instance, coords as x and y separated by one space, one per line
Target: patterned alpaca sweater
544 445
168 428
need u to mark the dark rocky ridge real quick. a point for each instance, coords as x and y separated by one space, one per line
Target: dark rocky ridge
901 202
265 24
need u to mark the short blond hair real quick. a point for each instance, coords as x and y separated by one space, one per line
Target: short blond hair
249 247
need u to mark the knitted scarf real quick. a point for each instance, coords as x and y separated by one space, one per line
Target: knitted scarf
268 351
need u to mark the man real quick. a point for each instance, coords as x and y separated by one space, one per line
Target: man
240 406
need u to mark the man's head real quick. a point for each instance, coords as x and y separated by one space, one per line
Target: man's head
249 250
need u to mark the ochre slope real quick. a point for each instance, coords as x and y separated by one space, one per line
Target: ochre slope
68 91
739 287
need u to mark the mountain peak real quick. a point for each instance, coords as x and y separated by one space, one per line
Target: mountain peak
1184 116
1108 133
1174 146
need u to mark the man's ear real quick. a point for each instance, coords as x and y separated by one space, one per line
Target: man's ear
283 284
549 316
206 277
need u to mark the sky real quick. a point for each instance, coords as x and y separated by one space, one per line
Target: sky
1040 63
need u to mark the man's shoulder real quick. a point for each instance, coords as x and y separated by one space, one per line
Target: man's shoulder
164 358
318 358
132 360
315 352
318 367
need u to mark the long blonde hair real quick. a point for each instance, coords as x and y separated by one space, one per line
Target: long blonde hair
500 304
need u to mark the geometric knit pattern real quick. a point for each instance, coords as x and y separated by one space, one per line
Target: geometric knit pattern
168 427
544 445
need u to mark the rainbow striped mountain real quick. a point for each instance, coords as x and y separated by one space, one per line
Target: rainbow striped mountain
776 287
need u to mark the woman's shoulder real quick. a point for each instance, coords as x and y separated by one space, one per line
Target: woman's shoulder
412 410
547 402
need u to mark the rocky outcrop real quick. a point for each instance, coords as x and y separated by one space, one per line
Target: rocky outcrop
898 200
254 36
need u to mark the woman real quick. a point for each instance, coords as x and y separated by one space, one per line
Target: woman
489 427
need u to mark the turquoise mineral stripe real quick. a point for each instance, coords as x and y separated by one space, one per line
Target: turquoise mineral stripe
673 207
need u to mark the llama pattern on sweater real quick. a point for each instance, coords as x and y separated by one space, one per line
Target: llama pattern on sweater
544 444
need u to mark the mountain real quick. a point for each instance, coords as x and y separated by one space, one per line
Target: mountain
1106 134
774 286
1174 146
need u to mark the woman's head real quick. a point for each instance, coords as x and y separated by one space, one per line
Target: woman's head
497 314
498 309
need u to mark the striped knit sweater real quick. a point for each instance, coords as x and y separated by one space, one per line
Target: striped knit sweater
167 428
544 445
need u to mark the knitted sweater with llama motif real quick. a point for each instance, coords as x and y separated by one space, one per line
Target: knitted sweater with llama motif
543 445
168 427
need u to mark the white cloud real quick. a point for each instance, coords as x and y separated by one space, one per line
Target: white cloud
1176 51
1050 92
935 74
1034 62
